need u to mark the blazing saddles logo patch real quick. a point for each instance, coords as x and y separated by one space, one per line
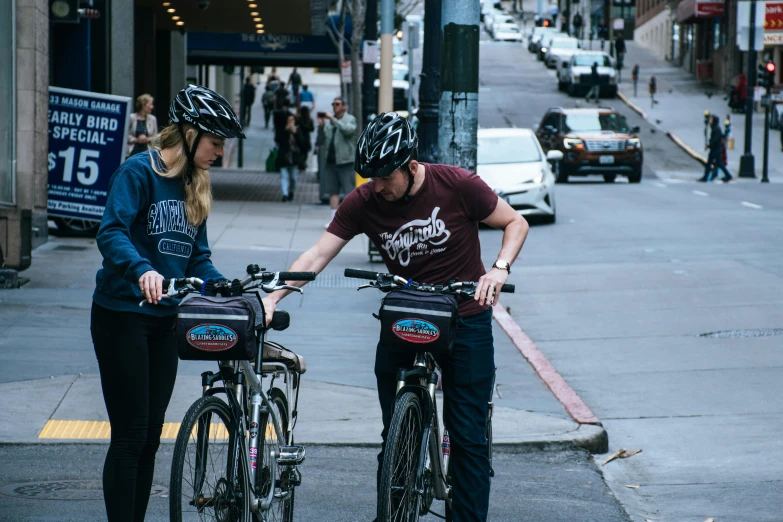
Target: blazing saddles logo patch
212 337
418 236
416 331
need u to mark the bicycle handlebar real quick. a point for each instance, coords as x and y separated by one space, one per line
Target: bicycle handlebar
389 281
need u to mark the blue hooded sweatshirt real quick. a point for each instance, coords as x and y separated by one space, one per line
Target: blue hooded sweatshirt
145 227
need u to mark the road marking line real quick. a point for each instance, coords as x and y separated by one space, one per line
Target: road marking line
573 404
750 205
662 185
700 193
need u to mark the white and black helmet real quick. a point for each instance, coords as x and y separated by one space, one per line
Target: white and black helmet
387 143
207 110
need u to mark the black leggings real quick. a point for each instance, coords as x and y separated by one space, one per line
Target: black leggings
137 357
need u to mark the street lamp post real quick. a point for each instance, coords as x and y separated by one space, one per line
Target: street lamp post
429 87
747 162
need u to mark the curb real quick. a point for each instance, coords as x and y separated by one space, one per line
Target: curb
684 146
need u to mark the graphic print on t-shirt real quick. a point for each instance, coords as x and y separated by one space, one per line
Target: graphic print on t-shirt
171 216
419 237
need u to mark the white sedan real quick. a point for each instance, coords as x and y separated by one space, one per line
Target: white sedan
506 32
513 164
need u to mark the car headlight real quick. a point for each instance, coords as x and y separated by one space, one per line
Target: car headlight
570 143
636 143
543 50
539 177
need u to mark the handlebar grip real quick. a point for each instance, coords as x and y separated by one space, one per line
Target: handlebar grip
361 274
297 276
508 288
166 283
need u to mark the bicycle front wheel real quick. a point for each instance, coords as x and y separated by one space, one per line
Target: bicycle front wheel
286 477
397 498
208 471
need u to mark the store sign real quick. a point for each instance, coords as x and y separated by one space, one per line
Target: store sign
773 23
87 142
709 8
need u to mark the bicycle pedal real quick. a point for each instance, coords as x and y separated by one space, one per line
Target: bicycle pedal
291 455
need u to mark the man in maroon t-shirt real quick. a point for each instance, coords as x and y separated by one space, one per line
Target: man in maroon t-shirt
424 218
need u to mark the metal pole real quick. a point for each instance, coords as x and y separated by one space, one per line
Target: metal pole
370 97
241 149
747 163
429 88
411 27
459 83
765 168
385 93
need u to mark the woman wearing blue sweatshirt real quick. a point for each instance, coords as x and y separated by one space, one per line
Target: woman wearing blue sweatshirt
154 226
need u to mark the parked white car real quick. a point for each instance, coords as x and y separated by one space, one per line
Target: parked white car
495 15
575 77
513 164
537 35
506 32
560 49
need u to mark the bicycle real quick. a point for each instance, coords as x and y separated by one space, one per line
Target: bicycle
415 467
235 459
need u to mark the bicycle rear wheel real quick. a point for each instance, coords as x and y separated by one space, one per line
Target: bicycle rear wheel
397 498
284 481
208 470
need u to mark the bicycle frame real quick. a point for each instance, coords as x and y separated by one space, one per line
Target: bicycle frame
429 453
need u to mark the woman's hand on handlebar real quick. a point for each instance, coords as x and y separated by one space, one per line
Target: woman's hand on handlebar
151 286
269 309
489 286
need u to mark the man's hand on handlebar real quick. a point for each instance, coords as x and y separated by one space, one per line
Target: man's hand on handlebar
489 286
151 286
269 308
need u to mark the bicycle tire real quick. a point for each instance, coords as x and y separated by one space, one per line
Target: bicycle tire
397 498
199 476
280 510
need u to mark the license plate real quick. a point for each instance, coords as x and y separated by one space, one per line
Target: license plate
606 160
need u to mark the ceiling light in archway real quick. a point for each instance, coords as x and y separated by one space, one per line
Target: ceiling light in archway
180 23
171 10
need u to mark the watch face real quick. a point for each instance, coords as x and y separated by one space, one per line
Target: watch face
60 8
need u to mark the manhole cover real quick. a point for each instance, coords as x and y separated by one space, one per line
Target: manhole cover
63 490
743 334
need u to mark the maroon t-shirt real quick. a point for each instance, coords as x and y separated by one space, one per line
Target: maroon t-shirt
432 238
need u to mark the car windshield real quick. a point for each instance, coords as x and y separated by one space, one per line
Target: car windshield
589 59
507 149
400 74
565 44
595 121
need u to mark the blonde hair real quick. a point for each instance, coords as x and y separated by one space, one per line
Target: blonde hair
198 195
142 101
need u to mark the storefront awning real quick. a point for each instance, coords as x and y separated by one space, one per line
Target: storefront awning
692 10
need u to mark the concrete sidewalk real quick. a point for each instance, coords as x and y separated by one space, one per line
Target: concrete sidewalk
679 111
51 373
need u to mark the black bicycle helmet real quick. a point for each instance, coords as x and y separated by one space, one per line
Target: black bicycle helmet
206 110
386 144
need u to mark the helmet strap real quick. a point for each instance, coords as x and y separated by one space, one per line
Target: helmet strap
190 152
406 196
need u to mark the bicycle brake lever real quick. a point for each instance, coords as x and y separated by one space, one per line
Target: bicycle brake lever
270 288
368 285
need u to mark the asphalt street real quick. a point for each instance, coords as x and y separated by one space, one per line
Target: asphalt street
621 294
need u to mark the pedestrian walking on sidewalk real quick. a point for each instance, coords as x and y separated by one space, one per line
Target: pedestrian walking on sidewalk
652 86
290 144
306 98
268 102
153 226
635 78
603 33
714 161
340 143
595 84
304 121
248 99
143 126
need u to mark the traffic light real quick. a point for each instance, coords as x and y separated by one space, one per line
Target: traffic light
767 75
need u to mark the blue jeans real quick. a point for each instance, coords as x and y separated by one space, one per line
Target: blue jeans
468 375
285 173
710 172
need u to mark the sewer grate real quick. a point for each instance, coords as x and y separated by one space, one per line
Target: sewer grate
743 334
64 490
70 248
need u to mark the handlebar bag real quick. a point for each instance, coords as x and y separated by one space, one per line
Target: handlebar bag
414 321
216 329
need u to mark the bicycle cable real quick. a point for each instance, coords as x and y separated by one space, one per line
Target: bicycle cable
431 512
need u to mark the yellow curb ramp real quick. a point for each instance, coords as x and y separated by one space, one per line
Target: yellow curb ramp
101 430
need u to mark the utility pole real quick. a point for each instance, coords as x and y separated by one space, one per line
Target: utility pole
459 84
429 88
413 44
385 93
370 97
747 163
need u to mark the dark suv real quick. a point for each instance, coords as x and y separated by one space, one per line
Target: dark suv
596 140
